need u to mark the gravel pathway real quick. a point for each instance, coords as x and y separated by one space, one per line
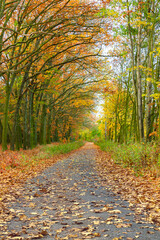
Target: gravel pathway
68 201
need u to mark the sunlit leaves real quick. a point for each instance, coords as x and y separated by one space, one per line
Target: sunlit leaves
48 43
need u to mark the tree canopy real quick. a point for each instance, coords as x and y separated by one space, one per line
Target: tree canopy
48 61
54 59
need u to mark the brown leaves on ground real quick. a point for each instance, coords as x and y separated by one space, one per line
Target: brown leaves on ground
143 193
28 164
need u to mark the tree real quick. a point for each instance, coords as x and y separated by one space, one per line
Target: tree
37 41
138 34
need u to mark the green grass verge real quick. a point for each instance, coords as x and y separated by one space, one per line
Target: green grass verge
41 155
62 148
140 157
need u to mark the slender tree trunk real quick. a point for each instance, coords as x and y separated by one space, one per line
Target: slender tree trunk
49 121
55 136
157 90
69 132
18 132
35 133
125 118
134 122
134 75
1 130
116 119
139 86
159 122
150 75
148 112
105 128
5 119
43 125
15 136
31 131
25 132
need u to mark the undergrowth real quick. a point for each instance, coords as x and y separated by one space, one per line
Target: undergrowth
62 148
142 158
26 159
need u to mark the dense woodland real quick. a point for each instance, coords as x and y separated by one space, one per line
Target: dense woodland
132 92
49 68
73 71
57 55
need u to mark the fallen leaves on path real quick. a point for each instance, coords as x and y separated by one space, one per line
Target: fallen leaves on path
69 201
26 164
143 193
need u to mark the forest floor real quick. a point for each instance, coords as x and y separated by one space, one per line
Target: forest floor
81 195
23 165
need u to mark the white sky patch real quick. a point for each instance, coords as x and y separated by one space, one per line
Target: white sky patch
99 108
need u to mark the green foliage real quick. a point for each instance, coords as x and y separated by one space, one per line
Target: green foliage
140 157
107 146
62 148
24 162
90 134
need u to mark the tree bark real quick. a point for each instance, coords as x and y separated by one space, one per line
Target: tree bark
5 119
149 122
139 87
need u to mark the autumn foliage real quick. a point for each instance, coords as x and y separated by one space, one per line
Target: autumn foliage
131 92
47 50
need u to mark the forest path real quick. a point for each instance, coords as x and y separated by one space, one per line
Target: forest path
69 201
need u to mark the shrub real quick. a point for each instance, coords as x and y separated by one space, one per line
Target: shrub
138 156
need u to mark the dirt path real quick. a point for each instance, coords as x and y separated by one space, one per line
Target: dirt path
69 201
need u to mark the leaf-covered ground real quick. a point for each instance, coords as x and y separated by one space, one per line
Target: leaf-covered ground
16 167
143 193
70 200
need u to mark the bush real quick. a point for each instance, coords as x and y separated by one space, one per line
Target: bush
138 156
8 159
63 148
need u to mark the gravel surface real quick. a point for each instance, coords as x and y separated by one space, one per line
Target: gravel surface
68 201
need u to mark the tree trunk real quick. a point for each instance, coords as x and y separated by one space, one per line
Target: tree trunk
31 132
25 132
49 121
105 134
116 119
139 87
5 120
1 130
159 122
55 136
43 125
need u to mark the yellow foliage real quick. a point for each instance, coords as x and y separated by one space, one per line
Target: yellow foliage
155 95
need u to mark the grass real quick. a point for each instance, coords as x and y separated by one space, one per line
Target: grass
62 148
142 158
26 159
17 166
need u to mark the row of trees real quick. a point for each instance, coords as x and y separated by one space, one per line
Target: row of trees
48 62
132 93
